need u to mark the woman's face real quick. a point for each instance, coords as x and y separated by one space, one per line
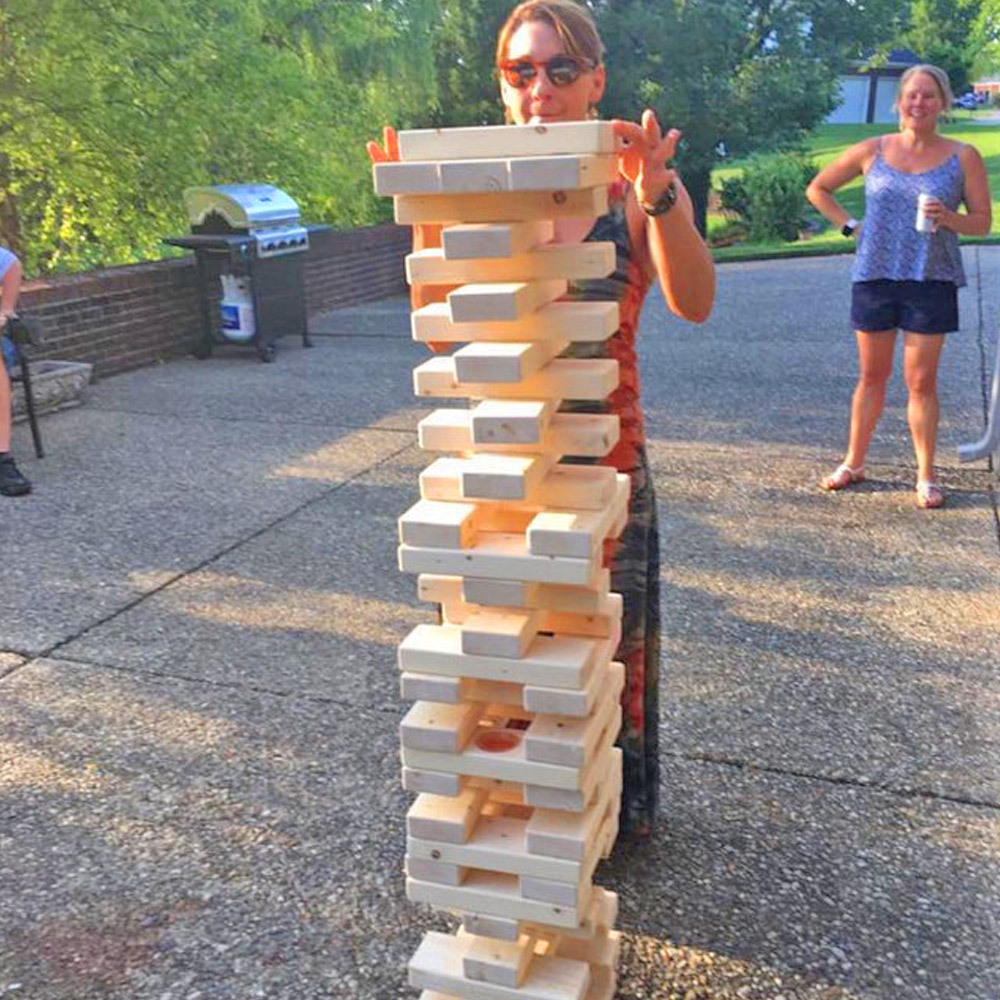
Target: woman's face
920 102
540 100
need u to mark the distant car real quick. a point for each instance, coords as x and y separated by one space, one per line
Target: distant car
967 101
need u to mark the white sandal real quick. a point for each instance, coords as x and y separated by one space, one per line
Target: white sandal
842 477
930 496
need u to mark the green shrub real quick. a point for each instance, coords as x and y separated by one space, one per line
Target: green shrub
733 198
770 195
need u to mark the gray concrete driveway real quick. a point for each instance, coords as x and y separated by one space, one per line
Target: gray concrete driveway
199 792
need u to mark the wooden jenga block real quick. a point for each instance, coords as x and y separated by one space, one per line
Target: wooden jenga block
432 782
548 700
520 594
494 894
498 843
501 928
580 487
509 421
565 740
501 206
503 477
500 557
549 891
499 633
451 819
498 239
562 321
503 963
504 302
447 591
435 726
572 261
565 172
430 687
568 835
571 487
556 661
438 525
590 435
577 534
428 870
556 139
438 965
481 176
406 178
504 362
550 786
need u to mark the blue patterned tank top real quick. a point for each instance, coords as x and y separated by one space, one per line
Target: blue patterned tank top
890 247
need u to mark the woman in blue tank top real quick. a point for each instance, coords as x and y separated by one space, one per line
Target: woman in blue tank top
905 278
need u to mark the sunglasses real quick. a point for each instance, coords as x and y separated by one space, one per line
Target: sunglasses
561 71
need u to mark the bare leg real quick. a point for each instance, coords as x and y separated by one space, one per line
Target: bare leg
921 353
4 409
875 366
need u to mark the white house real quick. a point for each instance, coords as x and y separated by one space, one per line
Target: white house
867 95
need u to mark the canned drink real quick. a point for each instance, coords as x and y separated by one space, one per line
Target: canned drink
923 224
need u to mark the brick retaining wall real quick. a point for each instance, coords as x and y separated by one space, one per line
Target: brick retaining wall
126 317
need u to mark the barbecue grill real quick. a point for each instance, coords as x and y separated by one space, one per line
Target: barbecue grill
254 232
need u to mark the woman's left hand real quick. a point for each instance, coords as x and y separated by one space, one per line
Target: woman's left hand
646 157
938 213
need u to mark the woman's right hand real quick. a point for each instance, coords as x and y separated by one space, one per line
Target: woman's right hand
391 152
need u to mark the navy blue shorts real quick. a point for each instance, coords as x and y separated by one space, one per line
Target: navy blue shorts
920 306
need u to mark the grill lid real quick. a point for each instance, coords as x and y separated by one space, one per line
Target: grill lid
242 206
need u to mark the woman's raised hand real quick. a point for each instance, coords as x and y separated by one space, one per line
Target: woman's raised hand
646 156
391 152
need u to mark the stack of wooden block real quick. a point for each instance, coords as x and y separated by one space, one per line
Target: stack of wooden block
510 743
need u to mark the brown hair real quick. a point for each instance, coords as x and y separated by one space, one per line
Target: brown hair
573 23
938 75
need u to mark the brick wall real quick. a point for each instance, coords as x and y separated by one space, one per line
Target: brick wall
126 317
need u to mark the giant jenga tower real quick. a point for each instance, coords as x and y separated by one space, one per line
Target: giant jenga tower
510 743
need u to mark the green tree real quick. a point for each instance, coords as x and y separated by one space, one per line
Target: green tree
738 75
948 33
111 107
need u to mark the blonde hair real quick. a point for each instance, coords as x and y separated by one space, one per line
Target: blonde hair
939 76
573 23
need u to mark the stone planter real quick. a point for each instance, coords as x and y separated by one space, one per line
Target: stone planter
56 385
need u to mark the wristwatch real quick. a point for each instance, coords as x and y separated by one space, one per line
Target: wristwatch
849 227
664 203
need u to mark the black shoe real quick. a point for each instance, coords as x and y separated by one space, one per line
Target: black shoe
12 483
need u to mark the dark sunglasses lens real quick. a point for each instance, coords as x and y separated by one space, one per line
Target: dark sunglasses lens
563 71
518 74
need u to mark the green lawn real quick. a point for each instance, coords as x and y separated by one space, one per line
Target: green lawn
825 145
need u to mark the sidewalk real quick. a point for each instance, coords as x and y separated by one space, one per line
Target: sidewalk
199 793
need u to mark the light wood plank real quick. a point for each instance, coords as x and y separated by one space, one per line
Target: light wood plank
501 206
493 894
572 261
438 524
499 633
511 421
438 965
555 661
498 239
503 302
442 727
498 556
446 818
568 321
592 137
590 435
509 362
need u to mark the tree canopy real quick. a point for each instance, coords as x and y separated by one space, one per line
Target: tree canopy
111 107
